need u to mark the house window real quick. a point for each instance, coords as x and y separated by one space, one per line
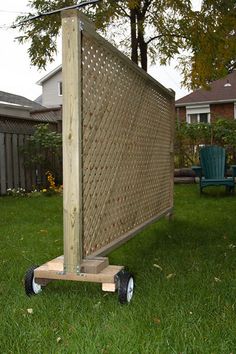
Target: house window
59 87
203 117
192 118
198 114
198 118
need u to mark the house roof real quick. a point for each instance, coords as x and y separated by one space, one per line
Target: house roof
223 90
47 115
14 106
18 101
39 99
49 75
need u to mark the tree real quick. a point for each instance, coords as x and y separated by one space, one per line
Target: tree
156 27
204 41
212 42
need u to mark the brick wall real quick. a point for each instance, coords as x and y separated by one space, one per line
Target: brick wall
181 114
223 110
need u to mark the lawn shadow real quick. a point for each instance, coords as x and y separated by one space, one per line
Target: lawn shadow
213 192
165 238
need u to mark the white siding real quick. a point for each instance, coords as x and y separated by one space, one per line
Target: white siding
50 94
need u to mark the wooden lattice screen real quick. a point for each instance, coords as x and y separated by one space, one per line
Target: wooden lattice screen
118 141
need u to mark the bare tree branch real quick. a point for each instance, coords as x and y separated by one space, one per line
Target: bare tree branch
122 9
174 35
146 5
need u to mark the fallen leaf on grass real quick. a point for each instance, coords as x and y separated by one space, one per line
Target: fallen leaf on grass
59 339
157 321
171 275
218 280
105 351
43 231
232 246
30 311
157 266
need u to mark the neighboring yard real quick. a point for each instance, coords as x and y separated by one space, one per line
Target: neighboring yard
185 298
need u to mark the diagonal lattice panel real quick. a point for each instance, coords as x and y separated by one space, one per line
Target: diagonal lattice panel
127 139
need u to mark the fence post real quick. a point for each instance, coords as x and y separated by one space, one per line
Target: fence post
72 141
3 189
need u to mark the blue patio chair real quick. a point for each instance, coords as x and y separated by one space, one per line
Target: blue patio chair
212 171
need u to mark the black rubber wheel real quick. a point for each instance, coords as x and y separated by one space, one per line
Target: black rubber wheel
125 287
31 288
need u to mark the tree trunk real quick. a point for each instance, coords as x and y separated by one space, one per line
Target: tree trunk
134 39
143 53
141 42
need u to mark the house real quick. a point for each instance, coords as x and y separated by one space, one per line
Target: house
15 108
18 114
10 103
51 88
205 106
22 111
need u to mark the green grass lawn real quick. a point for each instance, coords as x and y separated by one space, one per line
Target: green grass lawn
185 296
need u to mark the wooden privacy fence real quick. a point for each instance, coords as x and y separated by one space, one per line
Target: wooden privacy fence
118 127
13 170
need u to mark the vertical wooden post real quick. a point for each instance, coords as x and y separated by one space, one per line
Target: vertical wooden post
72 141
9 164
3 188
172 166
15 151
21 163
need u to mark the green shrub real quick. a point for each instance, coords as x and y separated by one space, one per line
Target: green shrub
191 137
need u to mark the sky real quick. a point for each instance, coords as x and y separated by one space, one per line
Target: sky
19 77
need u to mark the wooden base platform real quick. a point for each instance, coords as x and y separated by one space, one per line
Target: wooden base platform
96 270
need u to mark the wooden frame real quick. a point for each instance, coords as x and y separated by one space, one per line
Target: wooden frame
95 270
94 139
